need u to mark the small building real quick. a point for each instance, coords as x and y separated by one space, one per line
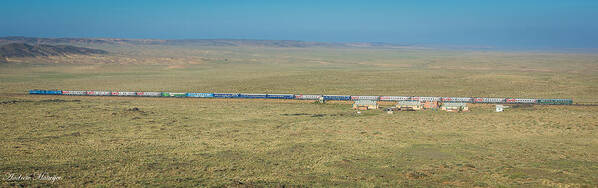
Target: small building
410 105
430 105
500 108
454 107
365 105
391 110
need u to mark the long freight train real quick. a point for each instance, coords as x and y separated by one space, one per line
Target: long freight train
307 97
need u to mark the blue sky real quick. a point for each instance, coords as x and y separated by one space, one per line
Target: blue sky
504 23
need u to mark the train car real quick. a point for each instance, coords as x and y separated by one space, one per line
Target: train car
308 97
99 93
337 97
372 98
457 99
149 94
54 92
488 100
175 94
74 92
36 92
124 93
478 100
253 95
521 101
226 95
280 96
200 95
45 92
429 99
555 101
394 98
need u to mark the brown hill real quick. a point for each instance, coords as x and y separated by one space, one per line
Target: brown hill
198 42
43 50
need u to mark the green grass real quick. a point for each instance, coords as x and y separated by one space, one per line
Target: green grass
102 141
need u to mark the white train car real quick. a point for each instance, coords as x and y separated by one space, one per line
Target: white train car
372 98
394 98
124 93
74 92
99 93
457 99
430 99
308 97
149 94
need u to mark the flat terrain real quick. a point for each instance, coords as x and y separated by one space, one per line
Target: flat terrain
118 141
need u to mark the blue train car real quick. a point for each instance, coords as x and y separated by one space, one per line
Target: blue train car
200 95
45 92
252 96
337 97
36 92
226 95
49 92
280 96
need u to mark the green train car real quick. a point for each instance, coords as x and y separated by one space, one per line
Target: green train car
169 94
555 101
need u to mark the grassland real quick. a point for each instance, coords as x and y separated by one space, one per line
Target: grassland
115 141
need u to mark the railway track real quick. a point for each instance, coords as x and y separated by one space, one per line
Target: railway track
507 101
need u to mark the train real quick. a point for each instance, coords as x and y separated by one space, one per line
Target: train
307 97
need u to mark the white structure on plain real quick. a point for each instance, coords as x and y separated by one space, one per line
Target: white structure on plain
500 108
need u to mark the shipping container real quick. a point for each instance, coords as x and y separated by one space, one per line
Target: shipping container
308 97
280 96
371 98
124 93
200 95
252 95
99 93
394 98
74 92
337 97
226 95
149 94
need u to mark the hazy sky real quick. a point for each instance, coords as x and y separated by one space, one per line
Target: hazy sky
502 23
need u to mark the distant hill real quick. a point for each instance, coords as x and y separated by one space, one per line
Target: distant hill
198 42
43 50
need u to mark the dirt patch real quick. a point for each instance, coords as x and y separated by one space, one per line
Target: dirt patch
523 106
297 114
316 115
14 101
57 101
431 152
176 67
416 175
133 111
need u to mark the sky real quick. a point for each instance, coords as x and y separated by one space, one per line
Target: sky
501 23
